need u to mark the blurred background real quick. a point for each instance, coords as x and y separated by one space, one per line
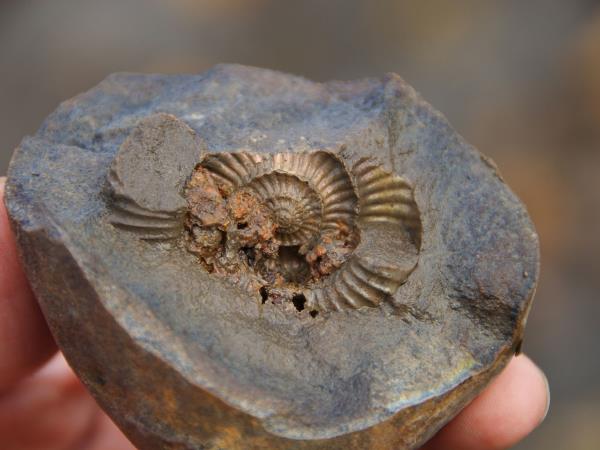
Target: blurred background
519 79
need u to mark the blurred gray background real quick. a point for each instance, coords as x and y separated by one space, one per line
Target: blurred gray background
519 79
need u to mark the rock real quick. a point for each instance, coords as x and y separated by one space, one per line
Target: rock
245 259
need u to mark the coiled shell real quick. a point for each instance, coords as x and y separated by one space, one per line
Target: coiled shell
315 200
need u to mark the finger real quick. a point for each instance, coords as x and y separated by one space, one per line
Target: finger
50 410
25 342
106 435
508 410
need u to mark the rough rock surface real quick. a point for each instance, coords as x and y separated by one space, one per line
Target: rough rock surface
182 358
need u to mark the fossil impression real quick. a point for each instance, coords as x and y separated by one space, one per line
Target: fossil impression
297 227
244 259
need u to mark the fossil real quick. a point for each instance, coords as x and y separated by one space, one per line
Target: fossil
245 259
308 243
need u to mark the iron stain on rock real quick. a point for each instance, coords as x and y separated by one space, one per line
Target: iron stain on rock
245 259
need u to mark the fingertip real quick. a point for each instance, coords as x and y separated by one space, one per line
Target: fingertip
49 410
514 404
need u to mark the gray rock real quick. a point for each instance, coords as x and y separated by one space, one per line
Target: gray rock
198 321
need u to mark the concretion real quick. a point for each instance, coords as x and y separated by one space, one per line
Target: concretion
245 259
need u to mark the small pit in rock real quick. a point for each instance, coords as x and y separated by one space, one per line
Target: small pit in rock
264 294
299 300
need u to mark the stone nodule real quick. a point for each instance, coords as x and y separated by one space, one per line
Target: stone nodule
245 259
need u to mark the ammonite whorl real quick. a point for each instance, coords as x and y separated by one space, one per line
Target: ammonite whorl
287 226
307 192
388 223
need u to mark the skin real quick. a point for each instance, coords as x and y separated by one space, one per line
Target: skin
44 406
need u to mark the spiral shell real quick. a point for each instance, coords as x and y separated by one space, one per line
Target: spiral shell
339 237
320 197
309 193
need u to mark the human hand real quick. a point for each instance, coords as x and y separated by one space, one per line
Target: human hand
49 409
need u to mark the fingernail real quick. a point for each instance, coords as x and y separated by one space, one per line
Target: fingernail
545 378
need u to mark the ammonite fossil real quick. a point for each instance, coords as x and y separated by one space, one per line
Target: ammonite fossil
299 227
244 259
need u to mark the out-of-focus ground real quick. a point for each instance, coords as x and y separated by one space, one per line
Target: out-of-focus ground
519 79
